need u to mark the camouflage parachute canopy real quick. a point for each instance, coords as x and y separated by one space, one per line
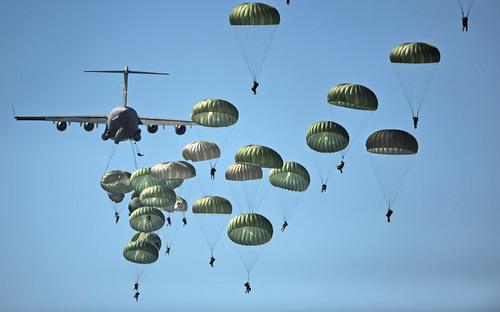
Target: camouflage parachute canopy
201 150
146 219
415 53
242 172
250 229
327 137
392 142
353 96
141 252
173 170
258 155
248 14
214 113
292 176
116 181
212 205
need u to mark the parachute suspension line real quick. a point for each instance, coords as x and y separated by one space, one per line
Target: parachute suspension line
317 164
248 198
134 154
386 193
354 139
461 7
240 44
402 180
116 207
264 195
415 80
264 46
286 216
137 272
254 42
380 182
403 85
174 228
427 80
226 139
254 203
111 154
464 8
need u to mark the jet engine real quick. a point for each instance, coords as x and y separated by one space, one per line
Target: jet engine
180 129
152 128
88 126
61 125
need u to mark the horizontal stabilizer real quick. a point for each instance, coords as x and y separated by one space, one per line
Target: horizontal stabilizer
126 71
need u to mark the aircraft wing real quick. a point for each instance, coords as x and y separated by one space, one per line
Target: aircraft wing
97 119
150 121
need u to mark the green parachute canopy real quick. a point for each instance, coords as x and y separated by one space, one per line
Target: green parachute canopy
116 197
242 172
214 113
151 238
173 183
180 204
116 181
201 150
141 252
250 229
157 196
142 178
254 14
134 204
254 26
135 194
415 53
173 170
146 219
327 137
392 142
212 205
353 96
292 176
258 155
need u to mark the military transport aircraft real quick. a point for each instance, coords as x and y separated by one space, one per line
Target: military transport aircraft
123 122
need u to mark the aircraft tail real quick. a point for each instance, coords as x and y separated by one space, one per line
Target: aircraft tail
125 73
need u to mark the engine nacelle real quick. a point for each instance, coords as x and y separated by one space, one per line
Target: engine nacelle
152 128
61 125
180 129
88 126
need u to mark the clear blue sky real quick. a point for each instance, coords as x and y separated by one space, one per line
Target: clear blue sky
61 249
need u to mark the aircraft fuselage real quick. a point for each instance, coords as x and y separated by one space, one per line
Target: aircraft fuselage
122 125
